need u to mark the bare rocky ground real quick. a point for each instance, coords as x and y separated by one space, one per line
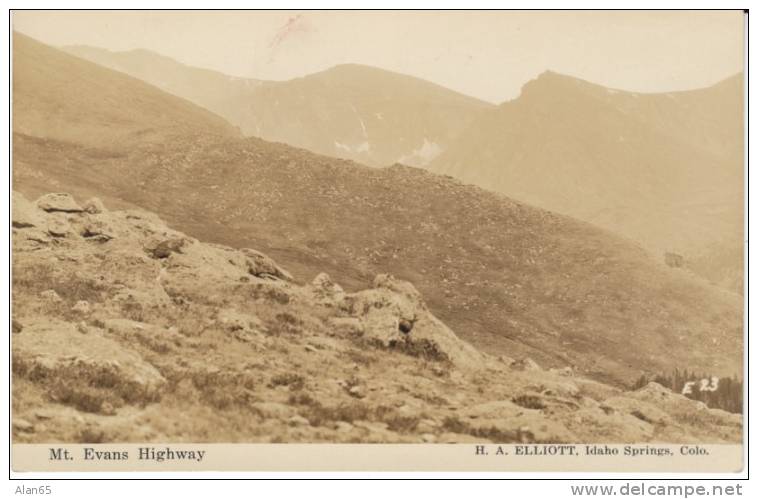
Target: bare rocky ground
126 330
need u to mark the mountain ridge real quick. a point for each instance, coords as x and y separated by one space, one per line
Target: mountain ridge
79 104
662 169
374 116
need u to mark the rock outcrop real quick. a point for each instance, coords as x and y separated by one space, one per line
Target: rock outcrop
261 265
127 330
24 214
58 202
94 206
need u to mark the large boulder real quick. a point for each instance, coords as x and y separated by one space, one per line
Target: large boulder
94 206
24 213
382 310
402 288
59 201
326 291
97 229
394 316
58 225
261 265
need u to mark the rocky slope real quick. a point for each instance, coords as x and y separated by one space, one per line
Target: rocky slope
663 169
350 111
126 330
507 277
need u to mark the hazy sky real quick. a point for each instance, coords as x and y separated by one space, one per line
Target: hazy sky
489 55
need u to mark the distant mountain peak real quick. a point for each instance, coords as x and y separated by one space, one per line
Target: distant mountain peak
89 52
352 69
552 81
617 157
354 66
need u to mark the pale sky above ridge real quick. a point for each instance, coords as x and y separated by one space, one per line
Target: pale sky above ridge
488 55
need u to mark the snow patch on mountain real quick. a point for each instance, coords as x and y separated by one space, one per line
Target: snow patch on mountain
422 155
360 148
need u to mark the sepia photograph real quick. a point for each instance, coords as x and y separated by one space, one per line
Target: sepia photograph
493 239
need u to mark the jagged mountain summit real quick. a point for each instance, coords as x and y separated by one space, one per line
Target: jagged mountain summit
350 111
125 330
662 169
506 277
